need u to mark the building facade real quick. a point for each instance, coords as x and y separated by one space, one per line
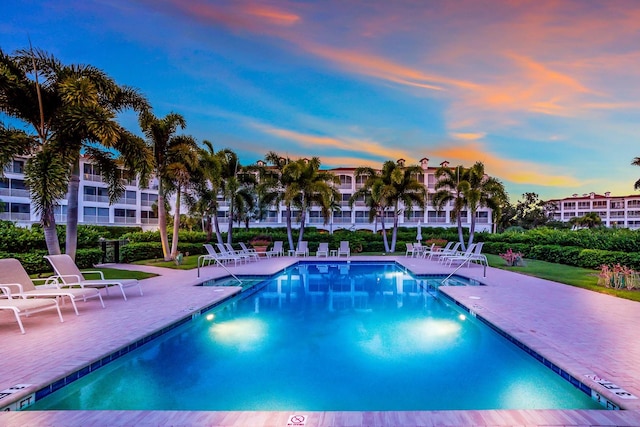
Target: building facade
615 211
134 208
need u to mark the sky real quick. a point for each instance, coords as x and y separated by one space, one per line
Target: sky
545 93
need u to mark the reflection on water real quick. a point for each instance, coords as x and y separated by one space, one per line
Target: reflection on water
343 287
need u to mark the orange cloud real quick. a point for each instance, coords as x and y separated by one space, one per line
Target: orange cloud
515 171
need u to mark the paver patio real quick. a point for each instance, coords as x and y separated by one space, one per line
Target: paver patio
582 332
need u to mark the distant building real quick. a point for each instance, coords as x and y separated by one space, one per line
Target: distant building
135 207
615 211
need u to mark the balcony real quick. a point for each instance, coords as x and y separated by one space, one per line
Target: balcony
15 216
124 220
95 198
149 221
14 192
92 177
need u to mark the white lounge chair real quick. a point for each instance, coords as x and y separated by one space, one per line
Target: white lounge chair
251 252
428 252
449 252
25 307
69 275
230 250
226 256
473 255
302 249
323 249
14 276
277 249
460 256
344 248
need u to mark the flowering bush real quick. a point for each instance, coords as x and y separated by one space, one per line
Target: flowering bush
512 258
438 242
260 240
618 277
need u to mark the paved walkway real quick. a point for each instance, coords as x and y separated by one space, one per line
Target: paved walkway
582 332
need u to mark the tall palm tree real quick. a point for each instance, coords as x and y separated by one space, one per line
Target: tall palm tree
270 188
451 183
236 184
73 109
483 191
403 190
182 164
162 138
305 186
206 187
375 194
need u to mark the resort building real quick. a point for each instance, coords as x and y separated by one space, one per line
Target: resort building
134 208
615 211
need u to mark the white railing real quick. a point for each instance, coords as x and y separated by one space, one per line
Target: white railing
95 198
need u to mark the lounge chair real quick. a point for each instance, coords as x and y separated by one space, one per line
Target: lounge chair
69 275
449 252
473 254
14 276
344 248
323 249
428 252
277 249
302 249
460 256
252 253
26 307
227 251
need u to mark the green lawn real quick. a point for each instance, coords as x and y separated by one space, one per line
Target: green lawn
574 276
109 273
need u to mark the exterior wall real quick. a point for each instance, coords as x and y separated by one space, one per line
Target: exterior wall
615 211
134 208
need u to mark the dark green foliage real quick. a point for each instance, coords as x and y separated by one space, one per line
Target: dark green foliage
153 250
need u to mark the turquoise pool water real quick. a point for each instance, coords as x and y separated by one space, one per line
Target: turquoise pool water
326 337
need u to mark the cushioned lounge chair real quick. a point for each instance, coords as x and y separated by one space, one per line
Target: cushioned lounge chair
14 276
302 249
25 307
69 275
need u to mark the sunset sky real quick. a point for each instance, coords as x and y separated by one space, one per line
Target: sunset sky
545 93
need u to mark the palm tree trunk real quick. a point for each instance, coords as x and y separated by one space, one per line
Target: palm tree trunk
302 221
384 234
72 211
216 227
50 233
176 225
230 230
460 234
289 232
394 232
162 223
472 228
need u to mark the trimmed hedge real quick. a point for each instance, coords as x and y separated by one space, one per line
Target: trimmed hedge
35 263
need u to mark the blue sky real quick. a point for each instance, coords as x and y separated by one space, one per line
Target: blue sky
545 93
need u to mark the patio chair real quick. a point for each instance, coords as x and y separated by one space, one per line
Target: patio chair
411 250
69 275
277 249
302 249
475 255
14 276
323 249
344 248
449 252
26 307
428 252
460 256
226 256
250 252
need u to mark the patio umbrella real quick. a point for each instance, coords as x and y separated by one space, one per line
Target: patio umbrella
419 236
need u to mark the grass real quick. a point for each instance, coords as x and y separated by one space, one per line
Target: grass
109 273
573 276
188 263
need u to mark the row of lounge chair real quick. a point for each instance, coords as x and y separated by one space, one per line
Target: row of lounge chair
19 293
225 253
450 254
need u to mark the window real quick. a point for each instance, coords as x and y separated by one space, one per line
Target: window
633 203
431 180
124 216
128 198
91 172
60 213
315 217
362 217
415 216
569 205
584 205
95 194
148 217
272 216
436 217
600 204
482 217
345 181
617 204
93 215
343 217
345 199
148 199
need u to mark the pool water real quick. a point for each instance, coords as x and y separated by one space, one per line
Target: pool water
326 337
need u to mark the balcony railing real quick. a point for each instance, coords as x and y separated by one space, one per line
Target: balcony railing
152 221
15 192
124 220
96 219
95 198
92 177
15 216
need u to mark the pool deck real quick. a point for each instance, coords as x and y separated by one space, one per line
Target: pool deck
582 332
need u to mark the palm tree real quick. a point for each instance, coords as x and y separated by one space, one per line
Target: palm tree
450 185
270 189
374 193
206 187
305 186
589 220
402 191
161 138
182 161
73 109
483 191
236 184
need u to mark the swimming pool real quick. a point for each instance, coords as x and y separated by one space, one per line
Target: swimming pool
330 336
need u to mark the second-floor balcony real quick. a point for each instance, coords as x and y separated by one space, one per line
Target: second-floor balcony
14 192
15 216
95 198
